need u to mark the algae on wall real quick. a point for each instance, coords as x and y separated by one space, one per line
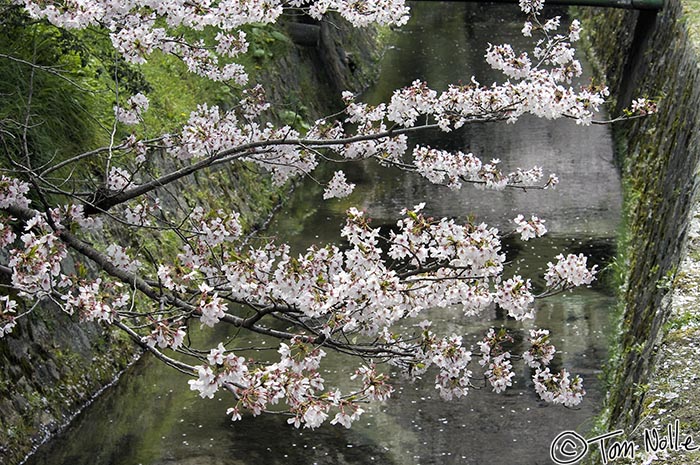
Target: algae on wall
51 365
659 156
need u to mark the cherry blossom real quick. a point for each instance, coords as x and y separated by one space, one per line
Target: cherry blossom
643 106
491 346
7 311
338 187
559 388
515 296
346 419
36 266
529 229
499 372
569 271
88 223
7 235
141 213
121 259
119 179
211 307
13 192
136 105
541 351
164 334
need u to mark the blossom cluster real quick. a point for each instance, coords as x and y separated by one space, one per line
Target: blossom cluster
7 235
76 213
559 388
118 179
515 296
294 379
539 83
365 289
166 334
569 271
95 300
13 192
36 264
338 186
643 106
541 352
136 105
450 357
529 229
142 211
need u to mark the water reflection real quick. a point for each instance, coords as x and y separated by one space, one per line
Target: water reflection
447 45
151 418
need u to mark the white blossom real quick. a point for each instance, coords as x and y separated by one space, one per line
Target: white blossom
338 187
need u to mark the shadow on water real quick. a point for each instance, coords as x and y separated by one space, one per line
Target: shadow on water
151 418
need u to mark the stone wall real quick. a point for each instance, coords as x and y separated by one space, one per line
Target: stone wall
51 365
659 156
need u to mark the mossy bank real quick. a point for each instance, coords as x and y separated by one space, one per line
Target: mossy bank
658 364
51 365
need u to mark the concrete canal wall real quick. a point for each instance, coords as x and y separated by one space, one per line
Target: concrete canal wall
658 364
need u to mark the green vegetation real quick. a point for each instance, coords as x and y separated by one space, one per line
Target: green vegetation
692 14
62 85
54 98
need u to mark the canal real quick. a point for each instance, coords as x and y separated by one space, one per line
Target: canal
150 417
